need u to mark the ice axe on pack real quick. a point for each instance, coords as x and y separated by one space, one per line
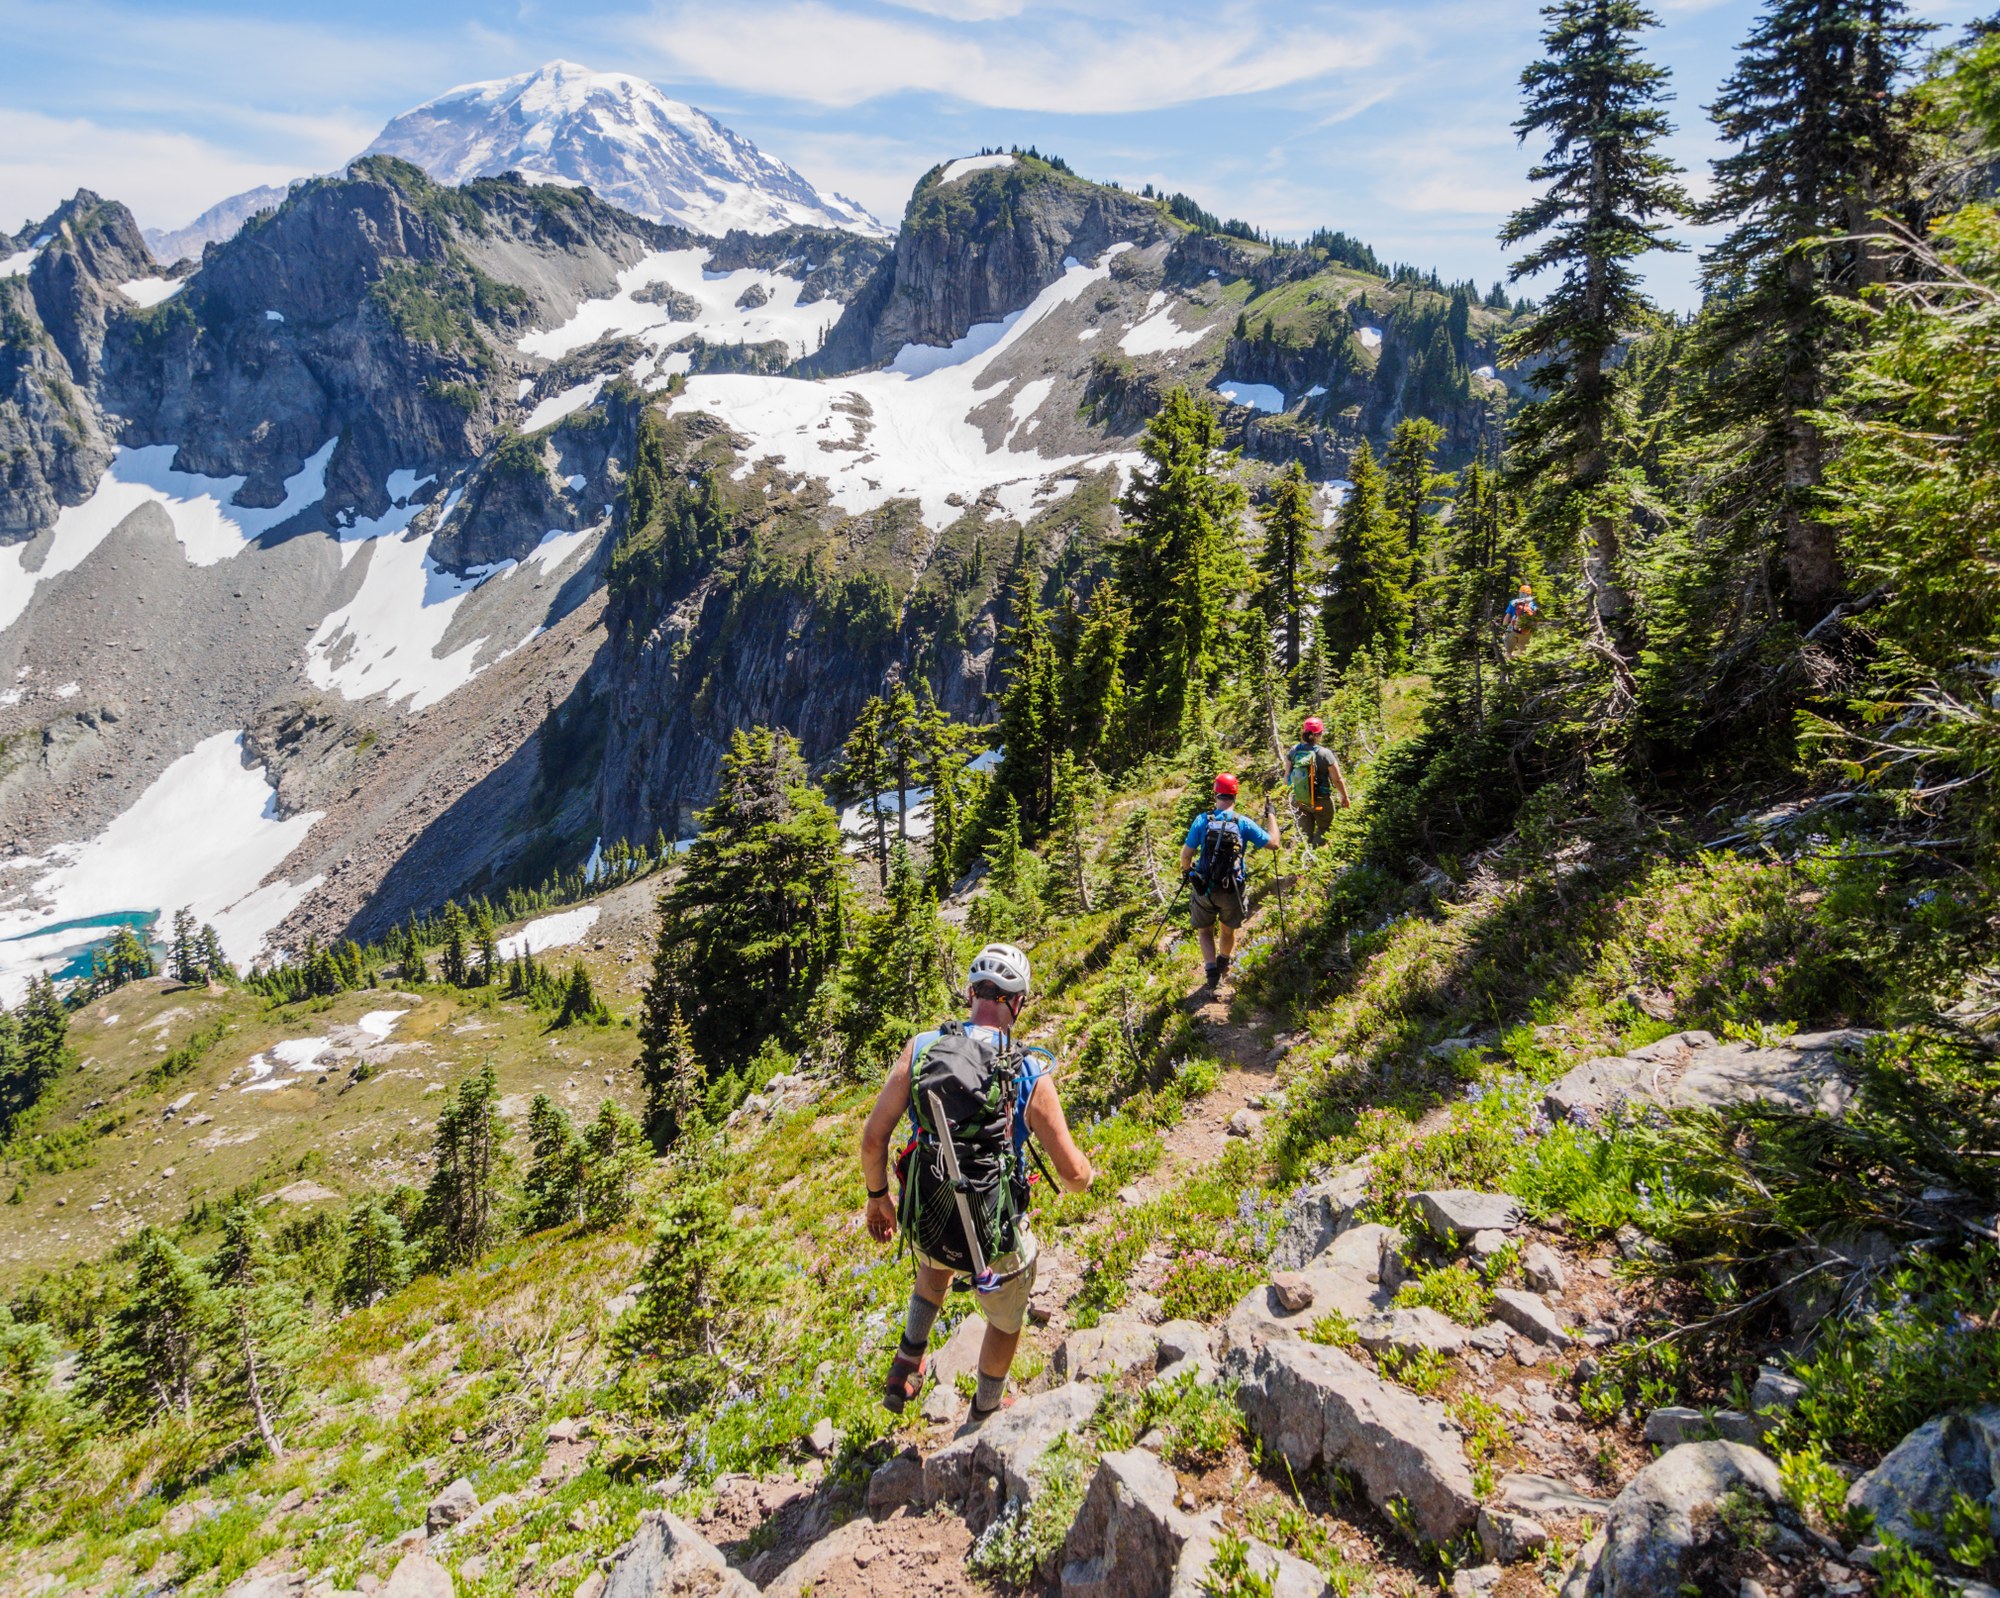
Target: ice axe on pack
983 1279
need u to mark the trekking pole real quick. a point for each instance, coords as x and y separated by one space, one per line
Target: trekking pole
982 1274
1153 942
1277 877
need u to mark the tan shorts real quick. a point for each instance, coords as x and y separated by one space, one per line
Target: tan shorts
1220 904
1006 1307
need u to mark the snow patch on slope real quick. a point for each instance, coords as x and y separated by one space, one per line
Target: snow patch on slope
720 319
966 165
385 639
905 432
154 290
1157 332
205 835
558 931
206 519
557 406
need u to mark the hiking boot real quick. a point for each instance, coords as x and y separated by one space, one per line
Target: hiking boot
1221 970
1211 971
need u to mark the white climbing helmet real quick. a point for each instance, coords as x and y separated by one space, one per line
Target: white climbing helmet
1001 964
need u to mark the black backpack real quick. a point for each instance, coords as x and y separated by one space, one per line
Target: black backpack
1221 865
976 1082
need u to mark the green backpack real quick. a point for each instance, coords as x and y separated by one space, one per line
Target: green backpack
1308 782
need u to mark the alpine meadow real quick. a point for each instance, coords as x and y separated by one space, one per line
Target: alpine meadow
698 897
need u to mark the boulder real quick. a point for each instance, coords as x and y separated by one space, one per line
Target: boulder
1318 1213
1344 1277
1313 1405
1455 1213
1542 1269
265 1587
897 1481
1677 1424
1292 1290
1691 1070
821 1438
1544 1496
668 1558
1245 1122
985 1468
1290 1577
1589 1092
1200 1367
1530 1315
457 1502
1179 1340
1476 1582
567 1430
1652 1537
1776 1391
1909 1492
1487 1245
1407 1330
417 1575
1506 1535
1126 1540
1108 1349
958 1357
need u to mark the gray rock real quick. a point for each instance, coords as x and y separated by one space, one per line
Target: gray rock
1201 1367
1776 1391
959 1357
898 1480
1312 1405
1392 1266
1126 1540
667 1558
457 1502
1475 1582
1318 1213
1455 1213
1916 1481
822 1437
1181 1340
1530 1315
261 1587
1292 1290
985 1468
1487 1244
1545 1497
417 1575
1651 1537
1589 1092
1408 1330
1108 1349
1690 1070
1245 1123
1290 1577
1676 1424
1542 1269
567 1430
1675 1046
1343 1278
1506 1536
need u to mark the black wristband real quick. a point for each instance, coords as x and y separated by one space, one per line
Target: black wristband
876 1193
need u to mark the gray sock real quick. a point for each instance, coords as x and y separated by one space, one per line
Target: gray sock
917 1323
987 1398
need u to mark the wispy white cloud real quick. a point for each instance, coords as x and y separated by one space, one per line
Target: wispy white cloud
1062 63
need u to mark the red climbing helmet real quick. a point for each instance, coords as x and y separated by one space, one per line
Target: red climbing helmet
1225 784
1313 725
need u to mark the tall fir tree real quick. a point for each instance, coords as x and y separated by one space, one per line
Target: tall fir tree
1367 596
1822 143
614 1156
459 1201
1178 566
552 1192
1093 671
455 964
260 1318
902 750
754 923
1412 490
898 974
864 774
1288 565
1609 199
1031 726
377 1261
672 1075
184 953
40 1053
146 1360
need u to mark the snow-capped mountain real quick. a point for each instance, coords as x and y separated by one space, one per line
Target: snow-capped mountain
622 137
220 221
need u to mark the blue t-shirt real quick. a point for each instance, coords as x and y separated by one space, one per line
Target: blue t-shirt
1520 609
1033 1069
1254 836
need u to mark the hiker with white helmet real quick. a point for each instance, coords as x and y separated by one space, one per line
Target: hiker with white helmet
973 1096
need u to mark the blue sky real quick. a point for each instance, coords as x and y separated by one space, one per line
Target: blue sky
1390 120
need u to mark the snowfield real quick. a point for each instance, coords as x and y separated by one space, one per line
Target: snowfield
559 931
557 406
1157 332
153 290
905 432
1258 396
206 834
720 319
966 165
1370 337
210 526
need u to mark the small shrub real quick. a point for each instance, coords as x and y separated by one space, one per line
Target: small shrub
1020 1547
1453 1290
1230 1575
1335 1330
1419 1369
1201 1286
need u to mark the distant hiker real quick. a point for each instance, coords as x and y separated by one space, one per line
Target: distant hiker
964 1177
1316 780
1519 619
1214 860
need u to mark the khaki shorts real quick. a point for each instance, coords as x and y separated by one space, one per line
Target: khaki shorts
1220 904
1006 1307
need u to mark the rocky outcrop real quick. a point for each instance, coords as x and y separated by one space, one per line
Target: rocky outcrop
1692 1071
983 1470
1314 1406
1344 1279
1910 1492
829 264
1127 1538
1665 1520
1317 1213
668 1558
